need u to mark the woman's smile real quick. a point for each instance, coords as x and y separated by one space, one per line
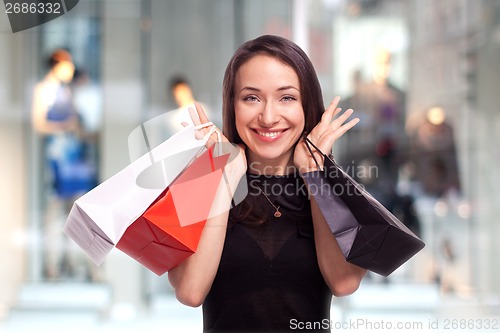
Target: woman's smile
269 135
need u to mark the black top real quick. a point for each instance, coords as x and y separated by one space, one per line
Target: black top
268 278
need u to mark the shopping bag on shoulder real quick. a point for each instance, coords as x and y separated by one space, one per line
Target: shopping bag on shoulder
100 217
367 233
168 232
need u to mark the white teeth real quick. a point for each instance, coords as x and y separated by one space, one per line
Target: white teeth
269 134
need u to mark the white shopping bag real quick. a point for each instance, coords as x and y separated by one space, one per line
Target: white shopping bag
99 218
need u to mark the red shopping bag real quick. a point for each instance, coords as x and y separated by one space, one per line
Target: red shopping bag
99 218
168 232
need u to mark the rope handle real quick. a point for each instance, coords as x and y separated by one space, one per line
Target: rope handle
309 142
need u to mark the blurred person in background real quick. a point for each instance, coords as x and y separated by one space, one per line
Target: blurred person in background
434 154
87 98
67 172
376 151
436 173
53 110
182 92
271 262
381 139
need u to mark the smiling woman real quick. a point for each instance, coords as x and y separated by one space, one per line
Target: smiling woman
268 110
272 258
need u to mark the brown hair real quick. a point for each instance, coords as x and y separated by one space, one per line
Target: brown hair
59 55
310 91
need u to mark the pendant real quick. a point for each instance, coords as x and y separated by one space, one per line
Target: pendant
277 213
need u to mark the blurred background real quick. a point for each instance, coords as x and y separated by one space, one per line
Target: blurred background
422 75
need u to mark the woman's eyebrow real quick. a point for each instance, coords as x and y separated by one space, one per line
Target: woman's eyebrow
287 87
249 88
279 89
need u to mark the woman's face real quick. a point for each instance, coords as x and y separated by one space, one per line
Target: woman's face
268 111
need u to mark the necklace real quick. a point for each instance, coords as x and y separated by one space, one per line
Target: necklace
277 213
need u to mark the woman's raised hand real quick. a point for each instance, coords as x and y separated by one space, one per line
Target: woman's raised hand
324 135
237 165
199 117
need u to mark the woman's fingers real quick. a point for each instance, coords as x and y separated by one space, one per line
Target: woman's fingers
199 117
325 136
342 118
331 111
334 133
194 116
345 127
201 113
334 123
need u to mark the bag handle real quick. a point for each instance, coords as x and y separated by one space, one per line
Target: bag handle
197 127
206 137
210 132
308 142
213 130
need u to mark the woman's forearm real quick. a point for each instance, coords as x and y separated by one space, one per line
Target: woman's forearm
342 277
193 278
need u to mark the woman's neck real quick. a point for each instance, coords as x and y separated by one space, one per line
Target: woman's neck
276 167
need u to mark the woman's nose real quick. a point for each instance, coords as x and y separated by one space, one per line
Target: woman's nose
268 116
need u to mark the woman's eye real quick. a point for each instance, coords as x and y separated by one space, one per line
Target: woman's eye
288 99
250 99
